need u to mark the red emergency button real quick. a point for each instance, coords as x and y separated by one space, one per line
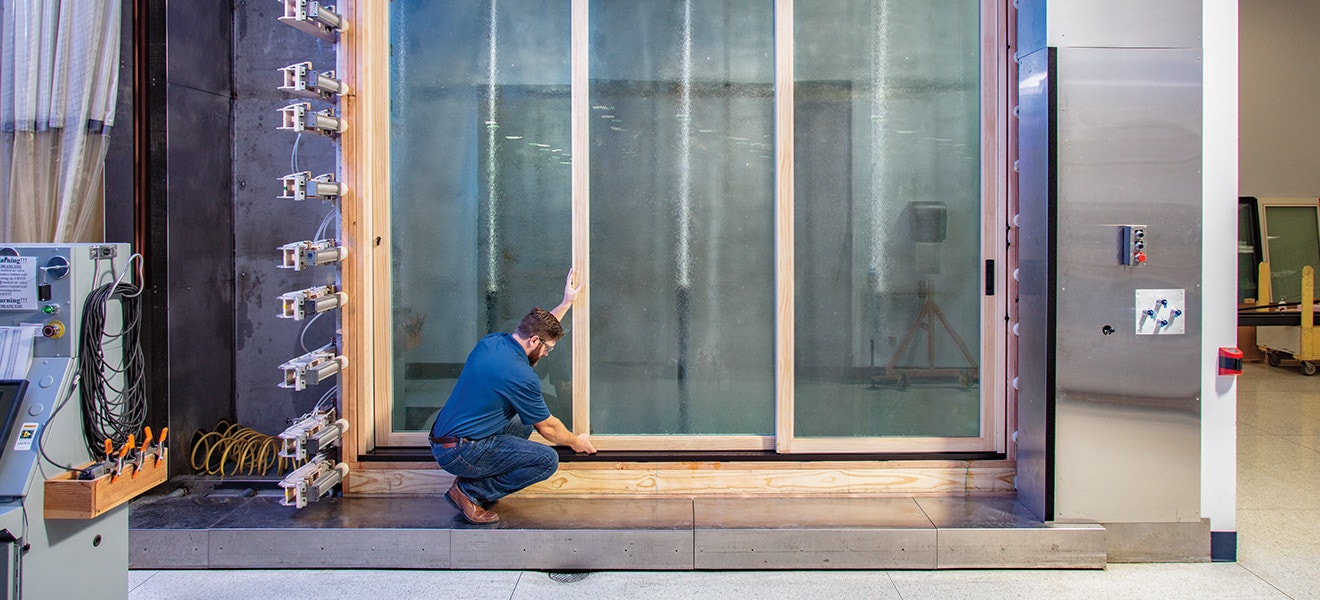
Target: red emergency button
1139 257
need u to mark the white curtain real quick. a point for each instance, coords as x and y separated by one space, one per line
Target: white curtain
59 69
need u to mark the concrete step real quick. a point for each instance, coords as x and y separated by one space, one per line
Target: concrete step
606 534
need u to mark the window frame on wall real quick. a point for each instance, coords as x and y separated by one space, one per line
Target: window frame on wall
368 329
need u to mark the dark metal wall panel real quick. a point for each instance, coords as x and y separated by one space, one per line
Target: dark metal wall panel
1128 414
150 208
201 376
200 218
263 222
199 56
119 157
187 221
1035 285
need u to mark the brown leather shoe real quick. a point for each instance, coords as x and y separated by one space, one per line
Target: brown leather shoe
472 511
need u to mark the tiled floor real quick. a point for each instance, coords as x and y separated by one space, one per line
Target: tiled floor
1278 528
1279 478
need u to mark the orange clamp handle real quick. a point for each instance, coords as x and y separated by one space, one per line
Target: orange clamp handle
160 445
109 448
146 440
119 469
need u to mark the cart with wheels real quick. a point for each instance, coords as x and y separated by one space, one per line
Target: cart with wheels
1299 342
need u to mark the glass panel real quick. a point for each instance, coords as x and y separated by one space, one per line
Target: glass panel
480 187
888 218
682 217
1293 243
1248 251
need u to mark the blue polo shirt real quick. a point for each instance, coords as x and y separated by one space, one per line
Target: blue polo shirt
497 383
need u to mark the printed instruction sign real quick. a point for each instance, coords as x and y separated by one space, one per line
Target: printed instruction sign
25 436
18 283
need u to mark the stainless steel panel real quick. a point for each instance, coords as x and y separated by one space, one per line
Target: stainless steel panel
1159 542
571 549
1127 434
1035 286
169 549
329 548
1060 547
901 548
1125 23
1031 27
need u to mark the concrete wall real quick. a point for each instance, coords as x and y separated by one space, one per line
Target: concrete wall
1279 94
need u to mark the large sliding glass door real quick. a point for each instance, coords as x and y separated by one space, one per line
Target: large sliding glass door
681 218
736 157
480 191
888 216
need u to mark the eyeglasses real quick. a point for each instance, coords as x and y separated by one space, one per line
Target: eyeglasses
549 347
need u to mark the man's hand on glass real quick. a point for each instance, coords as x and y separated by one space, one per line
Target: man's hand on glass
571 291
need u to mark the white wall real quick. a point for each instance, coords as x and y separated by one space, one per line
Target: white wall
1279 94
1219 259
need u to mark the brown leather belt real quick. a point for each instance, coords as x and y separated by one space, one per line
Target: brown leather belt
448 441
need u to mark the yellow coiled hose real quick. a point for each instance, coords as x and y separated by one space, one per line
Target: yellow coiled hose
232 448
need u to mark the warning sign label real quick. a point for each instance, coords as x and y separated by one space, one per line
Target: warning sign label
18 283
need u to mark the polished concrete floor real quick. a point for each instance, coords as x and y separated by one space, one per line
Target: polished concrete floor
1278 552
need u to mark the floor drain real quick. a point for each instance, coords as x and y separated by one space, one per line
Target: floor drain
568 576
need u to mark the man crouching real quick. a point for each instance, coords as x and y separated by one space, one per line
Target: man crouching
480 436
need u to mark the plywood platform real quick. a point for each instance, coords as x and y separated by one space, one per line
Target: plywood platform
540 533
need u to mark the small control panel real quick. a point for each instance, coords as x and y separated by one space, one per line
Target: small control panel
43 288
1161 312
1132 245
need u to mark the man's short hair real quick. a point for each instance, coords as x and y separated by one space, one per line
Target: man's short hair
540 323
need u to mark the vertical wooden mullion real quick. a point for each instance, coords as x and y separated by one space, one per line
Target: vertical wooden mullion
1006 48
995 123
363 62
784 248
581 146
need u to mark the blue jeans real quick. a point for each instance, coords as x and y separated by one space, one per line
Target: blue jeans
491 468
